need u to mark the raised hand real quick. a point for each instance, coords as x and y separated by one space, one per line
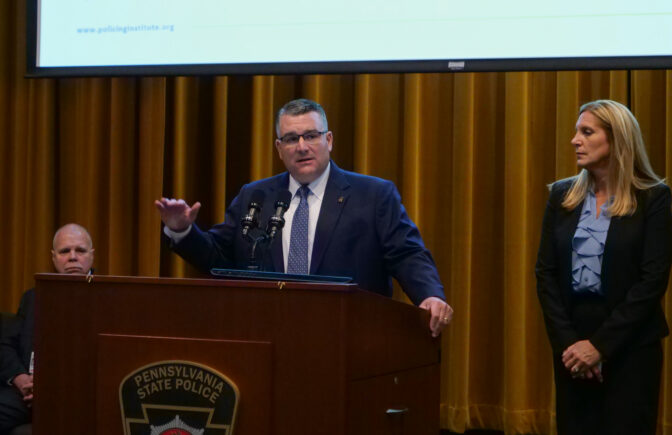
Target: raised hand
177 214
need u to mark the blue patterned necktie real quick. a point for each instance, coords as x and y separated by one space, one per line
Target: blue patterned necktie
297 261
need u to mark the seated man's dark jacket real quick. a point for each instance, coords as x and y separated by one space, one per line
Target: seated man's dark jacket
17 343
363 232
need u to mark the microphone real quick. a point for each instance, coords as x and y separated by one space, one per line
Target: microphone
277 221
249 221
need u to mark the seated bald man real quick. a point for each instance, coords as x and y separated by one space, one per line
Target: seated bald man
72 253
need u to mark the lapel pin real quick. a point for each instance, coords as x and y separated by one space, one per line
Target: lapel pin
341 199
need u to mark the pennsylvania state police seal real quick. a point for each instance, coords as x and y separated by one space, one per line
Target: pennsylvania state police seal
177 398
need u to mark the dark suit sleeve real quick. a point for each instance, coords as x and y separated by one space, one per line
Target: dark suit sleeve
404 252
213 248
644 296
561 331
10 345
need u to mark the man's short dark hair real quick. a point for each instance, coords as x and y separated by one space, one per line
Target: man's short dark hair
299 107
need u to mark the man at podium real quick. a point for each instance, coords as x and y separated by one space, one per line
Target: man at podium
336 223
72 253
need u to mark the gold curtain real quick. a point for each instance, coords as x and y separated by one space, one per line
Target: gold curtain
470 153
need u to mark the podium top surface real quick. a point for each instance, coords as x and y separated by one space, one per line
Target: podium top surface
198 282
277 276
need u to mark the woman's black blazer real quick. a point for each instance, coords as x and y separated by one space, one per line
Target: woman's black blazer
635 271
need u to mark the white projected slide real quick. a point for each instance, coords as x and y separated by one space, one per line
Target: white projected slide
74 33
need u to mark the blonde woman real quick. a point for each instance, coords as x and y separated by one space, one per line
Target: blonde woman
602 269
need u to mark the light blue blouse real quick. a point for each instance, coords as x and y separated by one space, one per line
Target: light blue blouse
588 246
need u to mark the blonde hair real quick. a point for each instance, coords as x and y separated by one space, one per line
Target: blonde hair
629 167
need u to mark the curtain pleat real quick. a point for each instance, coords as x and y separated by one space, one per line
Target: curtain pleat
150 131
262 129
471 155
220 146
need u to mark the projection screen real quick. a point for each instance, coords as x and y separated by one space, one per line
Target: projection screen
165 37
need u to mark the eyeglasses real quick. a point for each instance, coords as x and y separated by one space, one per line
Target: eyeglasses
310 137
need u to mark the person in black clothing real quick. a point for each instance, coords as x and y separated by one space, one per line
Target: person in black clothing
602 270
72 253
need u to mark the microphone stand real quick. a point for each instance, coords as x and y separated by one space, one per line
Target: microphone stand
260 244
259 241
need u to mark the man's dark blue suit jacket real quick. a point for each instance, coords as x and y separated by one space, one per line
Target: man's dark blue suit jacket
363 232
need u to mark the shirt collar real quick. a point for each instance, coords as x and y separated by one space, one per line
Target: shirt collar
591 200
317 187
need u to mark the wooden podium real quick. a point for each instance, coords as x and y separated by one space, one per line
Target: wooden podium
306 358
